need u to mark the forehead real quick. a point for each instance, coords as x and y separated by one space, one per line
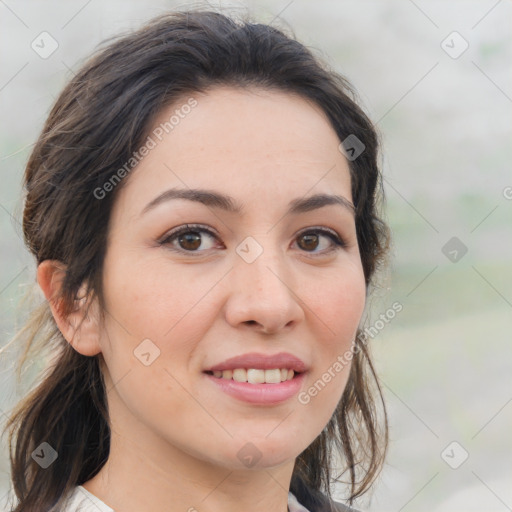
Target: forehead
254 144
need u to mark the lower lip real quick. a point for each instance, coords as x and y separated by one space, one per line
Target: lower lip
260 393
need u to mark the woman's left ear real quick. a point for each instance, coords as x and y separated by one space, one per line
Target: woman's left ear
81 327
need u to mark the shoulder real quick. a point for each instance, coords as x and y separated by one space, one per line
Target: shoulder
335 506
311 500
81 500
339 507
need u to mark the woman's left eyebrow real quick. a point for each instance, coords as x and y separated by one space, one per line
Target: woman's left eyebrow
215 199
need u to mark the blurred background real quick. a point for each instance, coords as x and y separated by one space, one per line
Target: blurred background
435 76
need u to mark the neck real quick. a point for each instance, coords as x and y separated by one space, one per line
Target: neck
139 476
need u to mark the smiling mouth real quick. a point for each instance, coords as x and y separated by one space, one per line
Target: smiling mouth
255 376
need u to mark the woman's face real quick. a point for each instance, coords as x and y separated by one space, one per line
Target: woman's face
269 283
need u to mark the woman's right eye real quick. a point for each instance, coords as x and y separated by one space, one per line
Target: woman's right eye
188 239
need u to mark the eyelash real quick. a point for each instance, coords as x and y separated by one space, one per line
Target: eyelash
338 242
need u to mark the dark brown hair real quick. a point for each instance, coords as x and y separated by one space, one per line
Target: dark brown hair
100 119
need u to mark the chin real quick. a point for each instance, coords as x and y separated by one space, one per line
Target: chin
261 452
261 461
256 454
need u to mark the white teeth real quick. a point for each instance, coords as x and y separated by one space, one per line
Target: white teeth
227 374
256 376
273 376
240 375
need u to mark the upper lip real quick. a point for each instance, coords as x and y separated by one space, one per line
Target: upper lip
261 361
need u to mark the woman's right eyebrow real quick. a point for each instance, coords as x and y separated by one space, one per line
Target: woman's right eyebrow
214 199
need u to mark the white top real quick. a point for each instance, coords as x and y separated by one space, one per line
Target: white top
81 500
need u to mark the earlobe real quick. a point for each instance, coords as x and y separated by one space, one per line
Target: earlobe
81 326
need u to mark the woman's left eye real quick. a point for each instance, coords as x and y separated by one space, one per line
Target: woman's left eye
313 236
188 239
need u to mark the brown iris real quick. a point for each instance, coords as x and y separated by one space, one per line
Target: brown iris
311 241
190 240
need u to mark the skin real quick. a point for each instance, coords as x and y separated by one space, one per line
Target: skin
175 436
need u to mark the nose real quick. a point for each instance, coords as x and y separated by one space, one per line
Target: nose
263 295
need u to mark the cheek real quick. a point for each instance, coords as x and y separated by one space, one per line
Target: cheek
152 297
154 323
338 306
159 311
338 302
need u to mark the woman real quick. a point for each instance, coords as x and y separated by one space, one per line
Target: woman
202 205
